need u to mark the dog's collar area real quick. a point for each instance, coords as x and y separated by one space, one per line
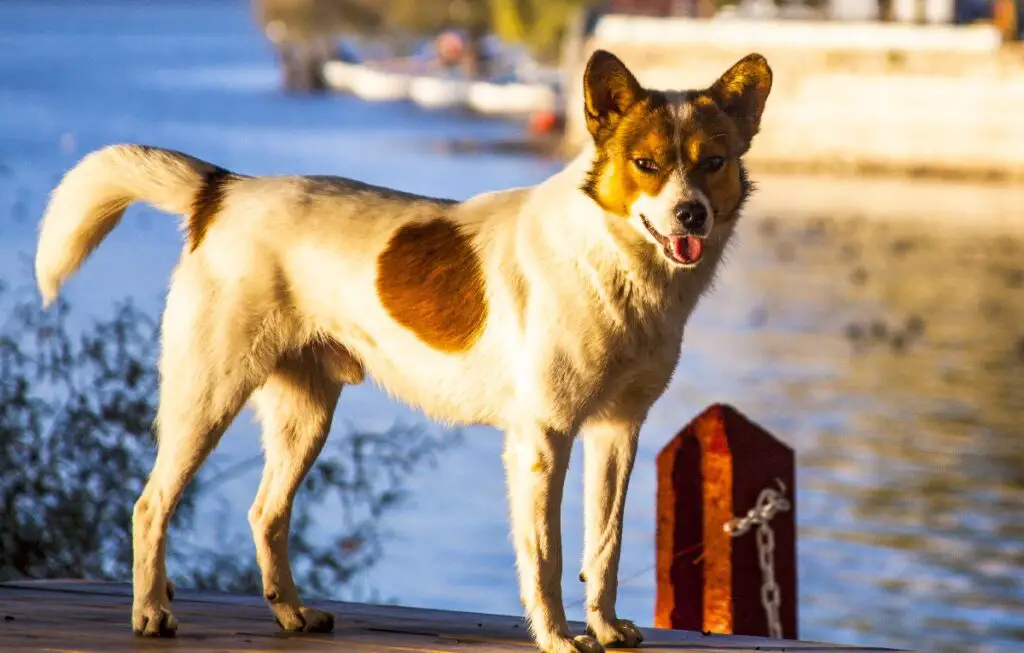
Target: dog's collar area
684 251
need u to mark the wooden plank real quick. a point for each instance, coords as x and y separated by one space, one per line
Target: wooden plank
80 616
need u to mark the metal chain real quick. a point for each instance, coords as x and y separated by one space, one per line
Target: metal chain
769 502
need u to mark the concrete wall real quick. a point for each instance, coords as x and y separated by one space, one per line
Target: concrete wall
846 96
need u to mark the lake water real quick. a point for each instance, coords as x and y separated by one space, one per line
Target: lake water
888 353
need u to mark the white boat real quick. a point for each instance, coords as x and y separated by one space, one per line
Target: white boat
506 98
374 85
513 98
339 75
438 93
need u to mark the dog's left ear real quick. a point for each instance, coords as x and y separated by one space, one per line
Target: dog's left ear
609 90
742 91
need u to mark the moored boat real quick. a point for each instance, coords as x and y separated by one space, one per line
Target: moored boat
433 92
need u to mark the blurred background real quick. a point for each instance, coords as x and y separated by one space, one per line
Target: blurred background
871 314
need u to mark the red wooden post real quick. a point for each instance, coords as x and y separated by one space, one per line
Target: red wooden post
712 471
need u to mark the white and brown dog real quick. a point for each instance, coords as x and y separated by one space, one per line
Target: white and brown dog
549 312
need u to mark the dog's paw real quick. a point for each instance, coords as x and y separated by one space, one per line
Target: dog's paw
586 644
305 620
581 644
615 633
317 621
153 621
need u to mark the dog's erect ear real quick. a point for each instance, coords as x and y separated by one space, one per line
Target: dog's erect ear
609 90
742 91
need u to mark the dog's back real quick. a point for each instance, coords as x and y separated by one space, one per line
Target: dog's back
403 283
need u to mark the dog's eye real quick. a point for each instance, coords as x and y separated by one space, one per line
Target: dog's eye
646 165
712 163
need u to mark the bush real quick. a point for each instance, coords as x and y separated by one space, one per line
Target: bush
76 446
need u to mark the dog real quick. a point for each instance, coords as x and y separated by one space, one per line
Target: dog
550 312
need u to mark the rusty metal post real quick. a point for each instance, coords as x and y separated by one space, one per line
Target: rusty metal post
714 470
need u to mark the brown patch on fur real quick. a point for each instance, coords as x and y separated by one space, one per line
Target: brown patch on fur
207 203
430 281
715 134
645 131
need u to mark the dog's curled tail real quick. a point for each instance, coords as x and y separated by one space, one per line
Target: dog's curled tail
91 198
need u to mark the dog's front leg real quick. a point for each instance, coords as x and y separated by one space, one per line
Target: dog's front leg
609 448
536 460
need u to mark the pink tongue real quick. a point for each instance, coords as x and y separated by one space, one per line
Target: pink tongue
687 248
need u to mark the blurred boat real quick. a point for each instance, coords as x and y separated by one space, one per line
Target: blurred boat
512 98
518 86
378 85
341 74
432 92
503 97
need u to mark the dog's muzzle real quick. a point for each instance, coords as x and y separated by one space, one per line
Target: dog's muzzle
681 250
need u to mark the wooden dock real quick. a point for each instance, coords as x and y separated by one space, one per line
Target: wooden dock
89 616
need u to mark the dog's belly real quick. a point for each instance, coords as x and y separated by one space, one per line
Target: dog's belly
461 389
457 387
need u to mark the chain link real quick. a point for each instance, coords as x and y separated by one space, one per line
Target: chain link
769 503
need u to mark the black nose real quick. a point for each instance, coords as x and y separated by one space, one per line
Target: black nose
692 215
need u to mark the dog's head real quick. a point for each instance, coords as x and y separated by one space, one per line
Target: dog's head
669 162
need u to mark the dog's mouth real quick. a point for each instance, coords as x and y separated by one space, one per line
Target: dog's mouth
681 250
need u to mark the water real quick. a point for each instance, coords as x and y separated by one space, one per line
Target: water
889 353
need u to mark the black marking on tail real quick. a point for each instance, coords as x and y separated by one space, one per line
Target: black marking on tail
208 202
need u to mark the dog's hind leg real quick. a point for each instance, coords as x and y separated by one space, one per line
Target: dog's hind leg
211 359
295 406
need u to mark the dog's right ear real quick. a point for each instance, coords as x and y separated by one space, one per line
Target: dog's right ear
609 90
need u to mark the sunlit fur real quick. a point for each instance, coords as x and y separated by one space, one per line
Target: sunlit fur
289 288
